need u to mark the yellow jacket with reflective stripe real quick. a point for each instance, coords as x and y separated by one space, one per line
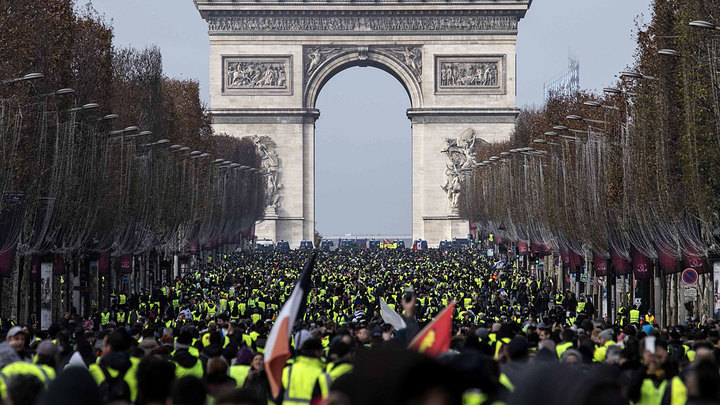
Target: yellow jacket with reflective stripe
299 380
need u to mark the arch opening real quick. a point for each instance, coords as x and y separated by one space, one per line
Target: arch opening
328 69
363 155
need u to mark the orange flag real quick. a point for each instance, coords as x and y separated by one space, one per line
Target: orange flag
434 339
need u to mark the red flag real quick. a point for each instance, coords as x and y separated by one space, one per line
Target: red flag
434 339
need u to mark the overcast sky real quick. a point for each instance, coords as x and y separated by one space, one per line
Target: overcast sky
363 155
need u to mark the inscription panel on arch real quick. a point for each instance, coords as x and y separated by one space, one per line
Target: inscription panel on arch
475 74
257 75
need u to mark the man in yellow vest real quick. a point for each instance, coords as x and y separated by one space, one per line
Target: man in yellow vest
634 316
120 316
305 380
105 318
340 355
116 362
657 387
185 362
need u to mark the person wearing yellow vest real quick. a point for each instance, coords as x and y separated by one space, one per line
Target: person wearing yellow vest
211 309
105 318
185 362
650 318
116 362
240 370
22 368
567 343
340 356
634 316
43 367
121 317
604 340
657 387
305 380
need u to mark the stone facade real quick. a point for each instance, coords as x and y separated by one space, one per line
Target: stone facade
269 61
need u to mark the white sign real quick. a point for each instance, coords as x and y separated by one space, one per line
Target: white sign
690 293
637 302
716 287
490 253
46 271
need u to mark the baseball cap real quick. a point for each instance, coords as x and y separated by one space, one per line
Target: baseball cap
48 348
14 331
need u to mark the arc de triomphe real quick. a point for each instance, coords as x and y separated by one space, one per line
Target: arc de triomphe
269 59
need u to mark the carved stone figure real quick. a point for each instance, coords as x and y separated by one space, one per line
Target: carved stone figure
410 56
469 74
270 164
347 23
460 153
317 55
249 74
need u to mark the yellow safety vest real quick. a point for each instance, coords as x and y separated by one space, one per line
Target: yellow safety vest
634 316
129 377
651 395
239 373
196 370
20 367
299 381
104 318
562 347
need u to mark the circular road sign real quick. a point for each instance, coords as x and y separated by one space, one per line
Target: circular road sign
689 276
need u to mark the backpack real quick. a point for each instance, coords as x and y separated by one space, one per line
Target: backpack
114 388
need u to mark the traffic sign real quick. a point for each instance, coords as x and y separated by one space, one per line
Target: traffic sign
600 280
689 276
557 261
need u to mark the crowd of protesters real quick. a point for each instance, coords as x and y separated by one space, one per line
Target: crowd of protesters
515 340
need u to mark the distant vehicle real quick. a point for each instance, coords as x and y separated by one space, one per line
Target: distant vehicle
283 246
352 243
445 244
374 244
264 244
306 245
462 242
399 243
420 244
327 244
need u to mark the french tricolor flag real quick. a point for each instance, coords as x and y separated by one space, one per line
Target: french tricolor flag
277 348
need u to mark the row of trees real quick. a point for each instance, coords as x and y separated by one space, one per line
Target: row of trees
631 175
103 153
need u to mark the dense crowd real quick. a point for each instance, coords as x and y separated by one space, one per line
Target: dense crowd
515 339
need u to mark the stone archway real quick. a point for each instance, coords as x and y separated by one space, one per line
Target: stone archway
269 61
403 63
